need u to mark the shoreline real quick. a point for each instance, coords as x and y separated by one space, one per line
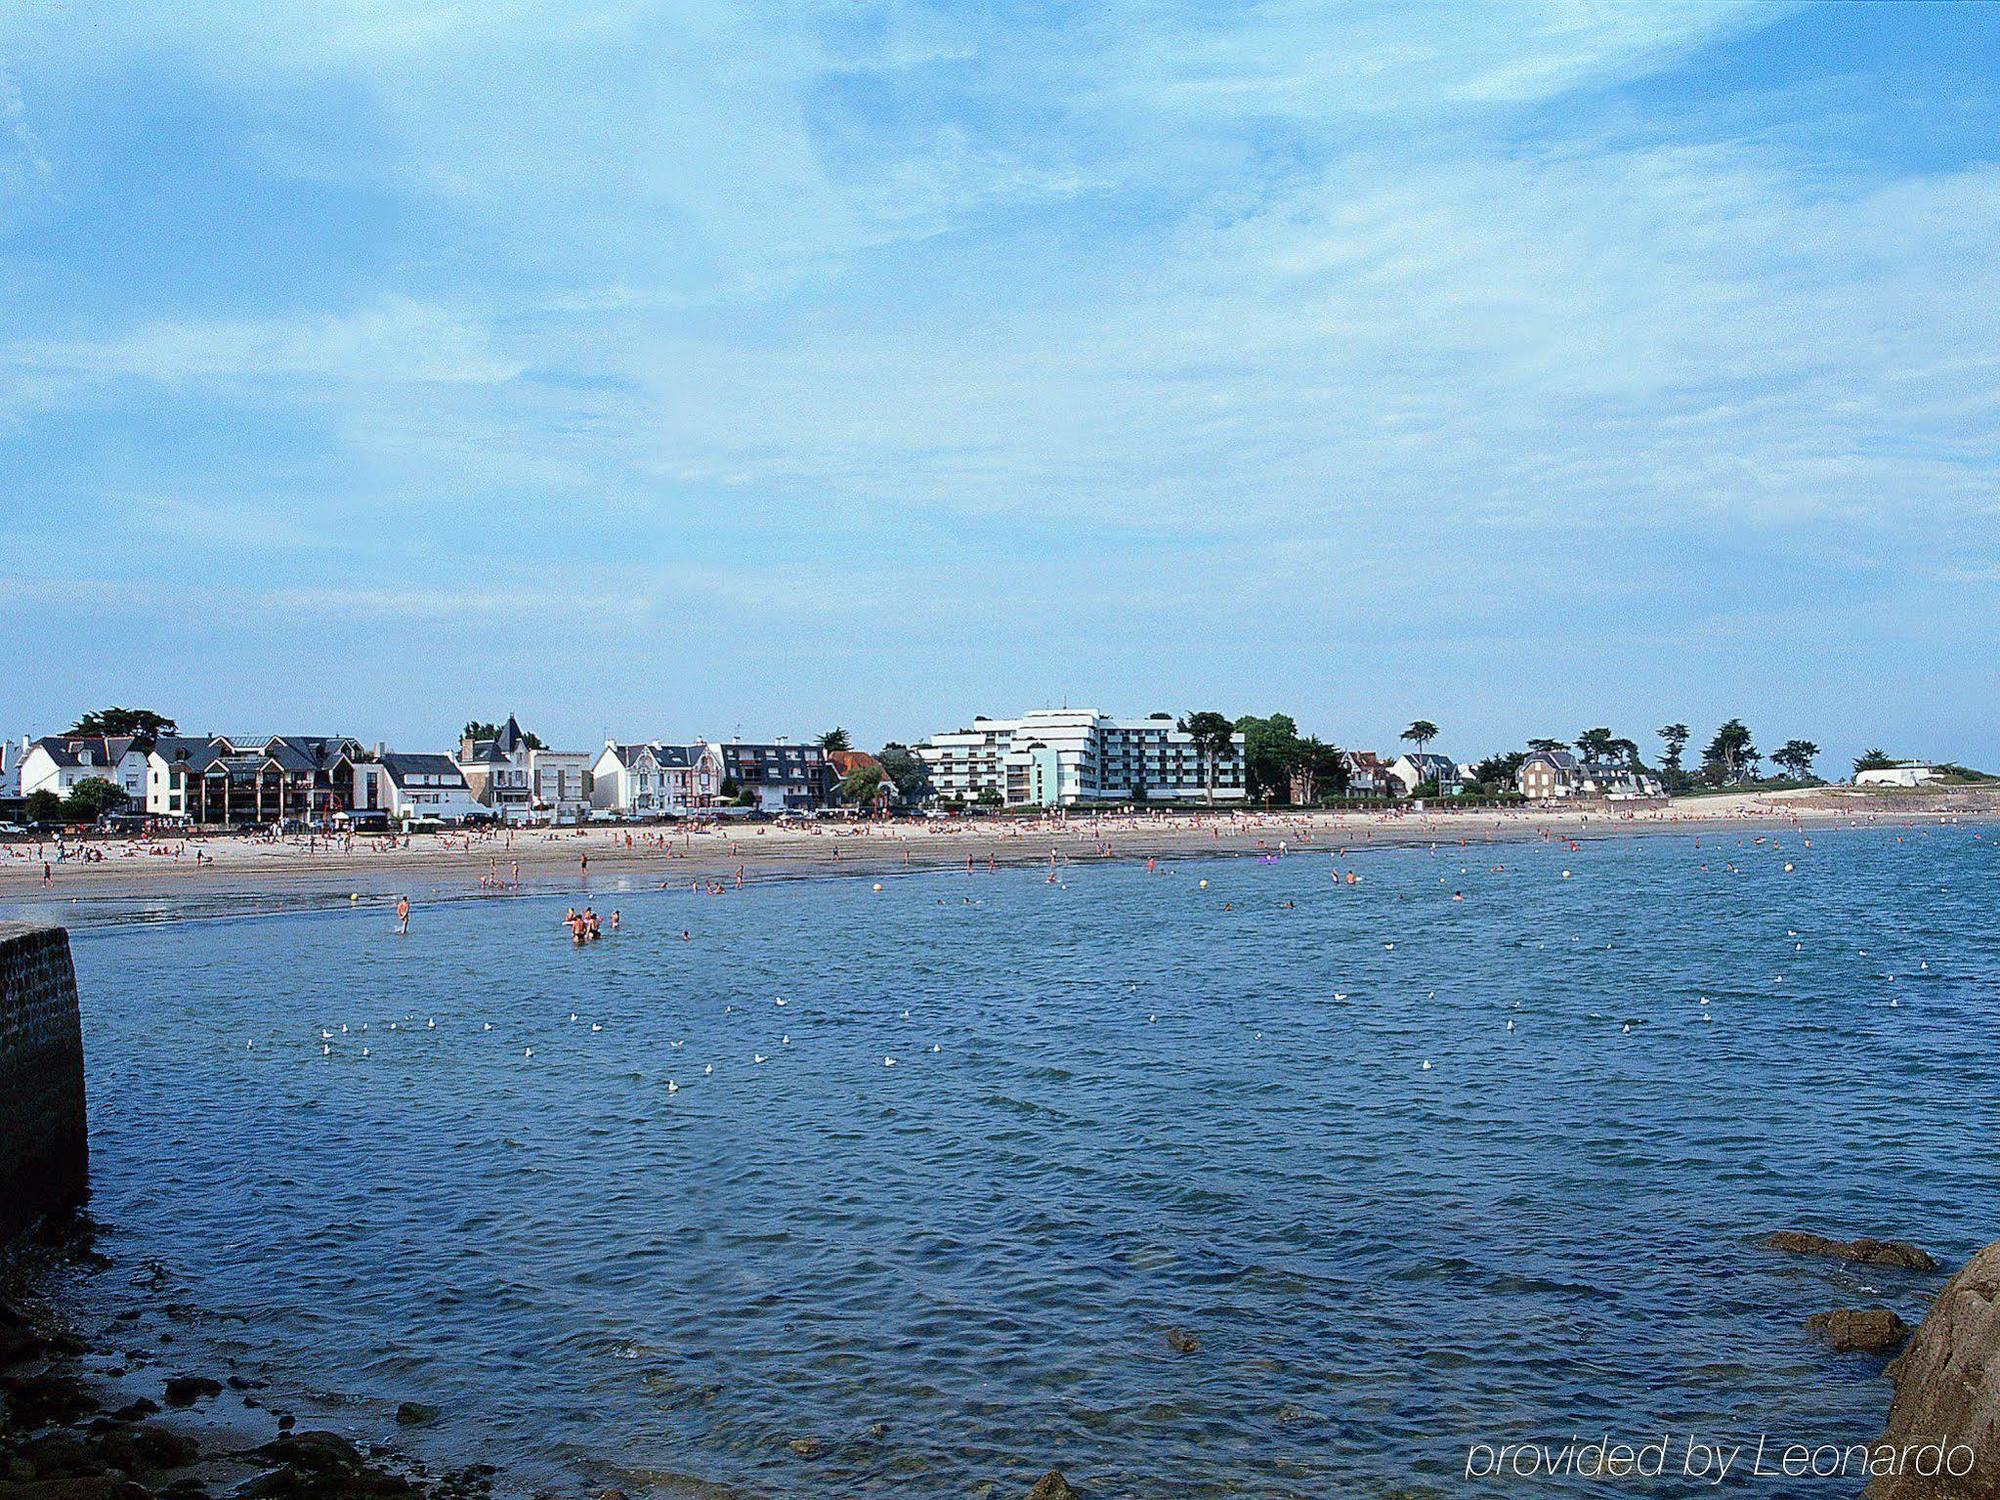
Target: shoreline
451 866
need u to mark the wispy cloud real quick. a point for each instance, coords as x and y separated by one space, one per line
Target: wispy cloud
891 313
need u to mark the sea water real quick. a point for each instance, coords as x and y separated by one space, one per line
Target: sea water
1121 1103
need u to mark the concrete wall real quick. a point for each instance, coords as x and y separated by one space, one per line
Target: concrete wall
44 1142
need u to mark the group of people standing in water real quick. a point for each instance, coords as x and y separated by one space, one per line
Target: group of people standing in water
585 926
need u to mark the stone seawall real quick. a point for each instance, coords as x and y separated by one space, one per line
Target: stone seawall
44 1139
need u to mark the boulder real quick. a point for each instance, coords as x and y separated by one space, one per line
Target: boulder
807 1447
185 1390
1863 1330
1948 1388
1864 1251
1052 1486
416 1414
1181 1341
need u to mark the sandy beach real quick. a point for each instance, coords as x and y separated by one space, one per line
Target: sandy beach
449 865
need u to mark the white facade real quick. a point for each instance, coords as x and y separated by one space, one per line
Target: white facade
1067 757
1420 768
559 783
1908 775
428 787
656 781
56 763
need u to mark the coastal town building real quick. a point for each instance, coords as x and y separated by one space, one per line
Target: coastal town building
1066 757
1549 775
57 762
1421 769
427 788
1368 775
1546 774
845 763
1908 773
521 780
782 777
220 780
654 780
559 781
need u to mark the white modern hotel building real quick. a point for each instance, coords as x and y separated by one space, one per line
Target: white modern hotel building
1062 757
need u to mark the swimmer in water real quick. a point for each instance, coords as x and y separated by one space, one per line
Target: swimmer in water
402 915
614 919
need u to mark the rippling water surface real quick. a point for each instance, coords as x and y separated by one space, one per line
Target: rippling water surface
1120 1104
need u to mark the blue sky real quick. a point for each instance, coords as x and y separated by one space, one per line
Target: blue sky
672 368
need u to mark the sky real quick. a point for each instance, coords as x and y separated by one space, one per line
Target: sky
725 367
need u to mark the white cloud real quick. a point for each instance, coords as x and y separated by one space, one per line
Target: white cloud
397 341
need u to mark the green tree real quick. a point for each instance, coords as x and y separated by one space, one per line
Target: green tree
45 806
478 729
142 722
1271 750
1797 756
835 738
859 786
1675 737
1214 737
1420 734
1547 746
1498 772
1319 771
1730 756
989 796
91 798
1594 745
907 770
1872 760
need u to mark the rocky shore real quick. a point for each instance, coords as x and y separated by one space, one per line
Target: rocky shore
63 1438
1943 1436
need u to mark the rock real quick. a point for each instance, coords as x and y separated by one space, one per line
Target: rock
318 1451
1291 1412
1863 1251
78 1487
40 1400
1052 1486
807 1447
185 1390
878 1430
1181 1341
1865 1330
416 1414
241 1383
59 1455
135 1410
1948 1387
286 1421
161 1449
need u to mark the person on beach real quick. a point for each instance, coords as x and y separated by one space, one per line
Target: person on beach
402 915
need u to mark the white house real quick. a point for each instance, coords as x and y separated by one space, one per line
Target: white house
653 780
559 781
428 787
522 782
1420 768
57 762
1908 773
1066 757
